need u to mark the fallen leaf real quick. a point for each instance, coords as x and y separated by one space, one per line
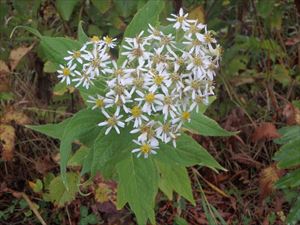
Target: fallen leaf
4 78
7 137
265 131
12 115
197 14
291 114
268 177
17 54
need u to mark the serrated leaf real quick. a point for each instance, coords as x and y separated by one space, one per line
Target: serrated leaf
138 185
290 180
149 13
206 126
175 178
59 194
187 153
65 8
283 156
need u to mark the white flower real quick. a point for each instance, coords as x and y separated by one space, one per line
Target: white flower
154 33
84 79
158 79
98 102
109 42
75 55
66 72
112 122
121 74
181 21
146 148
97 61
184 115
169 106
195 28
150 99
146 131
165 132
198 64
137 116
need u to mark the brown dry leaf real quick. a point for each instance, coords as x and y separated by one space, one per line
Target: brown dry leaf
268 177
291 114
265 131
4 78
11 115
7 137
197 14
17 54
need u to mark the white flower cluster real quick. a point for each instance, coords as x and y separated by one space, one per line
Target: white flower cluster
161 81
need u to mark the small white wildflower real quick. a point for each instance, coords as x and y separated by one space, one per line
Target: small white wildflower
137 116
98 101
150 100
181 20
146 148
66 72
83 79
109 42
112 122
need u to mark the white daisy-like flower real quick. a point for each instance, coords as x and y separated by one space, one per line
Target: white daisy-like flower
206 38
99 102
146 130
146 148
112 122
165 132
150 101
96 61
109 42
183 115
121 74
83 79
181 20
75 56
158 79
169 106
66 72
198 64
154 33
137 116
195 28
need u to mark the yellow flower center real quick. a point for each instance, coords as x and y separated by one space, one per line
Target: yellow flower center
99 103
136 111
107 40
119 72
95 39
145 148
112 121
180 19
208 38
119 89
166 128
138 82
66 72
195 84
158 79
196 42
76 54
185 115
95 63
150 98
137 52
168 100
198 61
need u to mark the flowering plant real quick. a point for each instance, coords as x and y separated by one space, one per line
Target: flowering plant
143 104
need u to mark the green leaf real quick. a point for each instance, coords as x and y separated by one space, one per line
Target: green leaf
205 126
149 13
102 6
55 48
82 126
288 134
81 35
290 180
59 194
180 221
79 156
265 7
187 153
283 156
65 8
294 214
175 178
108 152
30 29
138 185
52 130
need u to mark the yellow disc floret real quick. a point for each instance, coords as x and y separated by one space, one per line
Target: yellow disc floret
136 111
66 72
185 115
95 39
150 98
108 40
158 79
99 103
112 121
145 148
